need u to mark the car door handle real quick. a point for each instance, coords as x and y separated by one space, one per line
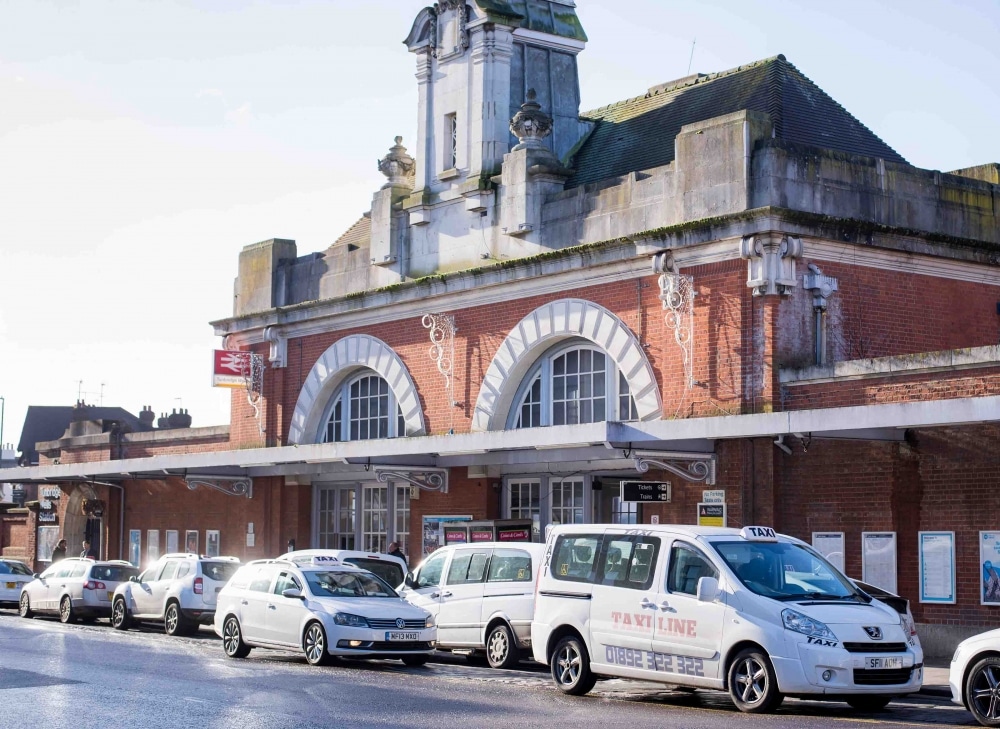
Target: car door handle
446 594
665 607
244 602
270 606
647 604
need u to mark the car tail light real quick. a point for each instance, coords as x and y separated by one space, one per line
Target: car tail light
199 586
94 585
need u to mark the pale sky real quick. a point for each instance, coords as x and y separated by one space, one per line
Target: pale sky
143 144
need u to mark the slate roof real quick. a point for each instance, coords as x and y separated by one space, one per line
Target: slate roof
639 133
49 422
359 234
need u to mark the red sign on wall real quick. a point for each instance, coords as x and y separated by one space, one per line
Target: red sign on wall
231 368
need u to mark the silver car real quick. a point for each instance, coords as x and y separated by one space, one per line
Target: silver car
75 588
14 575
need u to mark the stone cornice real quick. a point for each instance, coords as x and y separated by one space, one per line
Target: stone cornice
922 363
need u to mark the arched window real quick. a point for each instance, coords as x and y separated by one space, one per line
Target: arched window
363 408
572 385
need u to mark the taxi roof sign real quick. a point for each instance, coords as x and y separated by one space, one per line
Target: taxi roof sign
322 559
759 534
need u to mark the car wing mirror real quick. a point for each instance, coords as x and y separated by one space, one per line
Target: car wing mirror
708 589
410 581
292 592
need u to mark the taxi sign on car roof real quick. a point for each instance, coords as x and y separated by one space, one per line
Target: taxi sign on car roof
758 534
324 559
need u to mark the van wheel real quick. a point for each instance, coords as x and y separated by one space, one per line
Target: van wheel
24 606
232 639
571 667
981 691
119 615
868 703
314 645
501 649
66 610
752 683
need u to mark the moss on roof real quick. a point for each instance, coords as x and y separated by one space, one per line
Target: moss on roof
538 15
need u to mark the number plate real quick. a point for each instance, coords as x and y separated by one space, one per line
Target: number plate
11 585
883 663
391 635
110 595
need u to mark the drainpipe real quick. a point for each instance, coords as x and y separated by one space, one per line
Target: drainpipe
822 288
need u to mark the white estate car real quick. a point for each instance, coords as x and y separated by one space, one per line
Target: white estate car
756 613
75 588
324 608
390 569
179 590
14 575
974 677
482 597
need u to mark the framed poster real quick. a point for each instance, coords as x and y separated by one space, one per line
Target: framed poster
433 536
171 540
712 514
134 546
831 546
152 545
937 566
191 541
989 563
878 559
48 538
212 542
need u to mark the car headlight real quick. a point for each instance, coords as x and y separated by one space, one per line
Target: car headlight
355 621
800 623
429 623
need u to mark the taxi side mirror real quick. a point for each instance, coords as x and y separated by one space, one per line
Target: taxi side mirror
133 578
708 589
409 581
292 592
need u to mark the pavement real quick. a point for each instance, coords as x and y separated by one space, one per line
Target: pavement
936 678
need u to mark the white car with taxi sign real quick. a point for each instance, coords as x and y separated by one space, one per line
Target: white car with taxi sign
323 607
750 611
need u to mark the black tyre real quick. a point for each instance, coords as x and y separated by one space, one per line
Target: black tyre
982 691
501 647
571 667
174 622
24 606
120 619
232 639
314 645
414 661
752 683
66 610
868 703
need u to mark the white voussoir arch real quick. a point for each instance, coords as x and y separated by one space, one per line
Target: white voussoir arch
338 363
547 325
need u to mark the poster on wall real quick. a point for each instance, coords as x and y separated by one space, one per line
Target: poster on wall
134 546
152 545
48 538
433 536
191 541
212 542
171 540
831 546
878 559
712 515
937 566
989 563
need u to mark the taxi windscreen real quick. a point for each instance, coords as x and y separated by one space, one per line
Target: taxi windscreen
785 571
347 584
390 572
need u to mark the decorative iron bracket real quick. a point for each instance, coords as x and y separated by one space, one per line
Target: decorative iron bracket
695 470
229 485
425 479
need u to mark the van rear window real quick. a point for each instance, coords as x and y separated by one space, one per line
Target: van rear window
575 556
390 572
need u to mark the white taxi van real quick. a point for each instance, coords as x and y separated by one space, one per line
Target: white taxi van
323 607
756 613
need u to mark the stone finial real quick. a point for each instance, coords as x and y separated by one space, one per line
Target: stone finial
531 125
397 166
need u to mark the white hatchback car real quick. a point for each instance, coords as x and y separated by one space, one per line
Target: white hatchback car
75 588
974 677
14 575
322 607
179 590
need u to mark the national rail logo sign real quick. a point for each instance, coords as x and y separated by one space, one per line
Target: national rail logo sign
231 368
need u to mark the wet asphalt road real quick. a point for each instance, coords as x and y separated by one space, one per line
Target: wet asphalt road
83 676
